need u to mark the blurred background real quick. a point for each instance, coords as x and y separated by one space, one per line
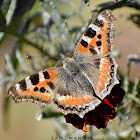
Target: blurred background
33 34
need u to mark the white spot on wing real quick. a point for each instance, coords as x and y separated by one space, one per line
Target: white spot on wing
87 39
50 91
101 18
17 86
81 114
94 27
60 97
97 50
28 82
41 76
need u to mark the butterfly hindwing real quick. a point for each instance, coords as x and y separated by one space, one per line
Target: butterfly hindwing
101 73
75 95
39 88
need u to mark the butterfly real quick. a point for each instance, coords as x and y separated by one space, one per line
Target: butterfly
83 81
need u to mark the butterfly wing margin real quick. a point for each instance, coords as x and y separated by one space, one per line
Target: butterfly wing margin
40 87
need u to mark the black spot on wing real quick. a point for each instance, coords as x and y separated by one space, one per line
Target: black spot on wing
34 79
108 34
99 36
111 81
23 85
108 87
92 50
74 109
112 67
97 63
108 41
99 23
90 33
56 102
46 75
42 89
99 43
68 109
36 89
112 74
60 106
111 60
84 43
99 48
51 85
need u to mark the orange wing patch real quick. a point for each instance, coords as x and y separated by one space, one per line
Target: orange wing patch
52 73
104 68
68 100
81 49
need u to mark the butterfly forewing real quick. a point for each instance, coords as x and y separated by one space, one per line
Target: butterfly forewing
39 88
98 36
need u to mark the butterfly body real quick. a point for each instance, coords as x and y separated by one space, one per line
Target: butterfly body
83 81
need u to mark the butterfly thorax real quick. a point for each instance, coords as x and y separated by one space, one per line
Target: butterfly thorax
70 66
